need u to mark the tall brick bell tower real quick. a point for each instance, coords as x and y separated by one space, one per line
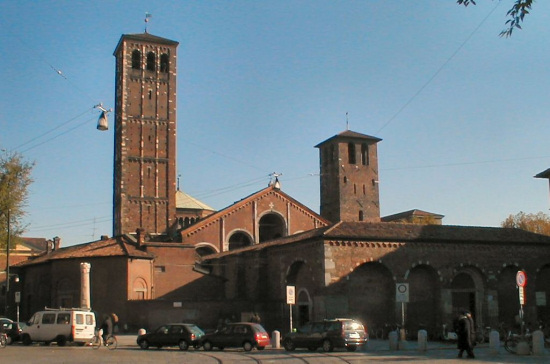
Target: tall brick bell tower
145 135
349 178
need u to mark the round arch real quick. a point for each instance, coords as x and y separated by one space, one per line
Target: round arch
271 226
239 239
299 275
542 288
202 249
423 309
467 292
508 302
139 289
370 289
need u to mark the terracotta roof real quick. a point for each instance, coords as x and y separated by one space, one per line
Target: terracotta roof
397 232
184 201
414 212
34 244
112 247
348 134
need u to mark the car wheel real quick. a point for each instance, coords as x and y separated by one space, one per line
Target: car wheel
144 344
26 340
9 340
207 346
327 346
247 346
289 345
61 340
183 345
351 348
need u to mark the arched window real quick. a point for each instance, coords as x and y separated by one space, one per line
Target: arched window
239 240
272 226
139 289
136 60
164 63
150 61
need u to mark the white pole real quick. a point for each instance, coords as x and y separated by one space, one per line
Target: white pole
290 318
85 285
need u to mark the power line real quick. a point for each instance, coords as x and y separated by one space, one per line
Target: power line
423 87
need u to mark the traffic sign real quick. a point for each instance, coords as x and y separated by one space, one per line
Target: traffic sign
521 279
402 292
290 295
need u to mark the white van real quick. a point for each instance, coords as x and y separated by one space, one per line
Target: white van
60 325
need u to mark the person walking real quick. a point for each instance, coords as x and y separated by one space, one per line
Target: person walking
466 335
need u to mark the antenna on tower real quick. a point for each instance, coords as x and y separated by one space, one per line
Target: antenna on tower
347 121
147 17
274 180
179 175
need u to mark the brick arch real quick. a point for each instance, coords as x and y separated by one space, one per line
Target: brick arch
468 291
370 290
204 248
299 275
424 299
271 225
508 302
542 287
239 238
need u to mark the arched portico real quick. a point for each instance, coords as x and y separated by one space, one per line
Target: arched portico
271 226
467 293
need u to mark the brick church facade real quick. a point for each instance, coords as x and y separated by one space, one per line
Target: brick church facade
166 263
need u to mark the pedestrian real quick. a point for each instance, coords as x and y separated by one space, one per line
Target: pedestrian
466 335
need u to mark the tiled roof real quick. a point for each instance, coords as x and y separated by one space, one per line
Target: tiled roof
397 232
112 247
34 244
409 213
348 134
184 201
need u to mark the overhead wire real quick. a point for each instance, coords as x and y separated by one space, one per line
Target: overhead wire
437 72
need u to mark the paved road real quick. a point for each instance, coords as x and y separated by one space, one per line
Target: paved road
128 352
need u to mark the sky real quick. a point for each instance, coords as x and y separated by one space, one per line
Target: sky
462 113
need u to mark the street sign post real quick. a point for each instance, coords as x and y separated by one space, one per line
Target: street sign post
402 295
521 281
290 300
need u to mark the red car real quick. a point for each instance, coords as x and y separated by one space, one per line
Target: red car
240 334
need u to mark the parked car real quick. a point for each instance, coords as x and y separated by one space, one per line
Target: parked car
177 334
11 328
61 326
327 334
247 335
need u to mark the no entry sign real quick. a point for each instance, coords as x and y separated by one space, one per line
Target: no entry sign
521 279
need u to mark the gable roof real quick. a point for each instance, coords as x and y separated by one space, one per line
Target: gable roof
112 247
238 204
398 232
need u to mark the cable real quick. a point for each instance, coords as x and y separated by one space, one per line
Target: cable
411 99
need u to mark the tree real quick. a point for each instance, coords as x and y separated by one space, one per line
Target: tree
537 223
15 178
515 14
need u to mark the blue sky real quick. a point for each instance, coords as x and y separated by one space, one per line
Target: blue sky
463 114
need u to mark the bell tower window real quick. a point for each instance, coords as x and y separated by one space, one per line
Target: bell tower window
150 61
136 60
351 153
164 63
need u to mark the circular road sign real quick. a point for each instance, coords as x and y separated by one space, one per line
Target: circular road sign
521 278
